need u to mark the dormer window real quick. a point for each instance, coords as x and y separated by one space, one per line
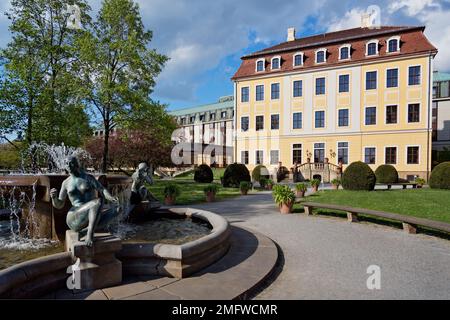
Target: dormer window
344 52
393 44
298 59
260 65
321 55
276 63
372 48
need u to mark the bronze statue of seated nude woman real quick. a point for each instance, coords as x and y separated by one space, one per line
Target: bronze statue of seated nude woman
88 212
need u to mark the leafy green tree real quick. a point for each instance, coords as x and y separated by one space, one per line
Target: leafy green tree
118 68
39 95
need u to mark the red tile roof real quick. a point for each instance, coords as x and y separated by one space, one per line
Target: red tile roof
412 41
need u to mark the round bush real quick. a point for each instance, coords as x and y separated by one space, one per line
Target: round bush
203 174
358 176
259 172
386 174
234 174
440 176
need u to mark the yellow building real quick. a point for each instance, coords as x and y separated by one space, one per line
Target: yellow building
361 94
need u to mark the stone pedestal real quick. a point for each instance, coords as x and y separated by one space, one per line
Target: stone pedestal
98 267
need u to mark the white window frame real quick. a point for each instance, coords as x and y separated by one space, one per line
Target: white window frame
279 92
324 50
337 118
314 149
248 157
240 100
364 155
398 44
377 42
264 92
386 79
264 121
293 59
292 120
270 155
240 122
421 75
324 120
376 116
349 46
348 151
407 113
385 114
264 65
396 155
279 121
406 155
365 80
279 63
292 151
262 156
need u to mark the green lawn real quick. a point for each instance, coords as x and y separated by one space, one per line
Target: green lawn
424 203
191 192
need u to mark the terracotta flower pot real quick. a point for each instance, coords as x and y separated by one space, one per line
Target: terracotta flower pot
335 186
300 194
210 197
315 188
244 192
286 208
419 186
269 186
169 201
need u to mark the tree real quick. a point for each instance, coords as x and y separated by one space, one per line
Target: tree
117 68
39 94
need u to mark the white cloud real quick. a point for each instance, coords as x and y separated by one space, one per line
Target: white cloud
411 7
351 19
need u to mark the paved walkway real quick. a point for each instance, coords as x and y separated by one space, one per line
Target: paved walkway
327 258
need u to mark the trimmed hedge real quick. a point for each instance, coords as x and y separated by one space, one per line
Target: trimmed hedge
440 176
358 176
386 173
234 174
203 174
259 172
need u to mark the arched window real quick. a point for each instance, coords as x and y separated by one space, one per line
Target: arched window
260 65
321 55
372 48
344 52
276 63
393 44
298 59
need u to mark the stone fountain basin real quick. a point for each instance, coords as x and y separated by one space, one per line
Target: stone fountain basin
37 277
179 261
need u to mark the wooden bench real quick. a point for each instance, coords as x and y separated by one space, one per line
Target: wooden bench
409 223
403 184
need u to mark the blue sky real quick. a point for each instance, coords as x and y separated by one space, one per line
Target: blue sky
205 39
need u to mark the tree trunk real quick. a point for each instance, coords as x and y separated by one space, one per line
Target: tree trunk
105 149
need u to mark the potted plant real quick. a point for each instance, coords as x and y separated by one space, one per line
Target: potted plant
171 192
262 182
244 186
315 184
210 192
336 183
420 182
284 197
269 184
300 189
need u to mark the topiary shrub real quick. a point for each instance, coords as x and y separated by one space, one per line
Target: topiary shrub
203 174
386 173
440 176
259 172
234 174
358 176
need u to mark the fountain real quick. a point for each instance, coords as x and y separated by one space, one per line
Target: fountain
149 243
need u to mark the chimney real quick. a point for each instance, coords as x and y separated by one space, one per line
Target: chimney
365 20
291 34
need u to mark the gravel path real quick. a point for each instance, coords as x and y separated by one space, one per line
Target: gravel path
327 258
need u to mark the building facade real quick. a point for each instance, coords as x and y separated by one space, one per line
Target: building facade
441 111
360 94
207 131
